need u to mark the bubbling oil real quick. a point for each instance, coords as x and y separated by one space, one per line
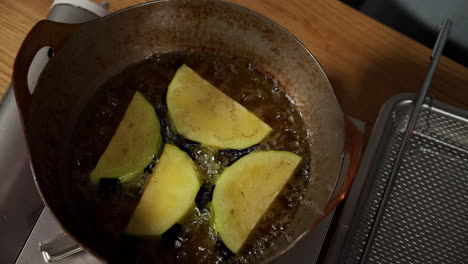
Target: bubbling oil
197 240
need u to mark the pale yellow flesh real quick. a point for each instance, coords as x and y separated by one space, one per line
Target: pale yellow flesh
169 195
246 189
201 112
135 142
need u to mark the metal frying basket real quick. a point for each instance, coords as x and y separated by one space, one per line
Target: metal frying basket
425 219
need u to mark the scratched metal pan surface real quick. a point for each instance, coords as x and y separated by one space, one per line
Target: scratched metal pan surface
426 217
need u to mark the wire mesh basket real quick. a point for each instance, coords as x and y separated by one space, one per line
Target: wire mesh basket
425 219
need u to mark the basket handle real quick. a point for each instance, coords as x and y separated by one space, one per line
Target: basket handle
44 33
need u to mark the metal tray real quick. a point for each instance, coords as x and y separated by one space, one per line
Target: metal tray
426 217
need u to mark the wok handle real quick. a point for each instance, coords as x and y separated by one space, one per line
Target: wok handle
46 33
354 143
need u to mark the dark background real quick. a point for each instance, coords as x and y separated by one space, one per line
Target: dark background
400 15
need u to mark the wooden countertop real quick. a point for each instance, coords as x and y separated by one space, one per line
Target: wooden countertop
365 61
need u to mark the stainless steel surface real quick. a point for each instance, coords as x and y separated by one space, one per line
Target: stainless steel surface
46 228
426 217
58 248
20 203
439 46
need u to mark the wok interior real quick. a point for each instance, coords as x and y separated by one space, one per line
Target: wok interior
105 47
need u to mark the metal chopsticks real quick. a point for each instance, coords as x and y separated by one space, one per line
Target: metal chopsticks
436 53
